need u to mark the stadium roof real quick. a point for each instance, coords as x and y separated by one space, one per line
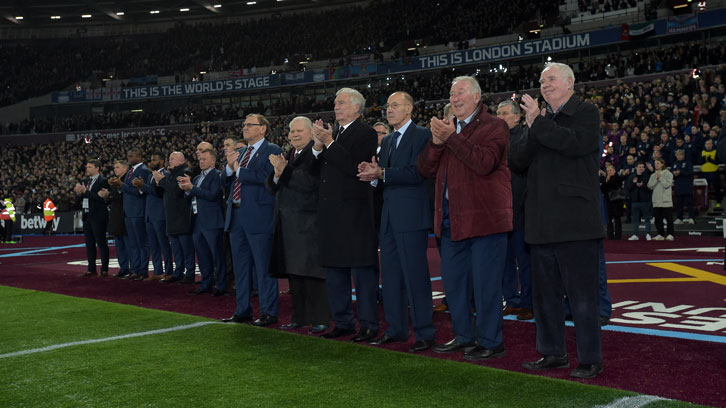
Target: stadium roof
40 13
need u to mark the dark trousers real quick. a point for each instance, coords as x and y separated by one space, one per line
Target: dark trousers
714 180
684 201
614 227
661 213
568 268
159 246
210 257
182 246
406 283
8 231
337 281
251 255
122 254
474 267
517 279
309 300
95 234
137 246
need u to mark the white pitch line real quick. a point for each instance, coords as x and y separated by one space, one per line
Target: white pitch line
632 402
124 336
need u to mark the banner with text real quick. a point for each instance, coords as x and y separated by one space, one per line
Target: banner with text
36 223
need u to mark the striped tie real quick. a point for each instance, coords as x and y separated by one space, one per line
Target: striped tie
237 191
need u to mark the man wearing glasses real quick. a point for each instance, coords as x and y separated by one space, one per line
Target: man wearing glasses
249 221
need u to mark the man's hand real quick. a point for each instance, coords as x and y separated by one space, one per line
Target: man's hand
138 182
232 158
115 182
321 135
530 106
649 166
158 176
185 183
103 193
369 171
279 162
79 188
441 129
676 173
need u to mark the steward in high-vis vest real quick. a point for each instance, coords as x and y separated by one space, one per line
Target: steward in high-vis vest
8 215
49 215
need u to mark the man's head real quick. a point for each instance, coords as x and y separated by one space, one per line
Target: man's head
509 112
93 167
630 159
557 82
230 144
157 161
120 167
301 132
680 154
398 109
255 128
447 110
176 159
202 147
464 96
134 156
207 159
708 145
349 105
382 130
640 167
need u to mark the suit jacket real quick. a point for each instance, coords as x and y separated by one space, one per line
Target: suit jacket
405 193
177 206
257 203
97 209
294 246
473 166
519 179
209 202
154 210
346 225
116 225
562 152
134 200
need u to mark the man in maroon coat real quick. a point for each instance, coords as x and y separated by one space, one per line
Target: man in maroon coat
473 213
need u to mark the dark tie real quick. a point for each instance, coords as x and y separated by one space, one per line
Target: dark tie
340 131
463 124
88 185
128 175
394 144
237 192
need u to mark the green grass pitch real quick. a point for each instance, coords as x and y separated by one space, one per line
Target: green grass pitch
233 365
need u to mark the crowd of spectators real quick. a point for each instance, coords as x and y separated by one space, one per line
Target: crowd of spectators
37 67
604 6
428 86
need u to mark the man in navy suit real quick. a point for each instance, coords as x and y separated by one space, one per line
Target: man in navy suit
95 216
405 221
134 211
157 242
249 221
206 204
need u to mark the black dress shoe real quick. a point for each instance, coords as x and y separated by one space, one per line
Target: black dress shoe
421 345
604 321
170 279
290 326
104 274
139 277
90 274
199 291
586 371
452 346
237 319
218 292
265 320
121 274
385 340
480 353
548 362
336 332
318 328
365 334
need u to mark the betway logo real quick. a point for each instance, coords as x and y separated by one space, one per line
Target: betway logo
37 222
